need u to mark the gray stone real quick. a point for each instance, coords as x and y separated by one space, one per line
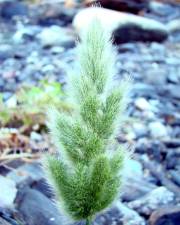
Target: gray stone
8 192
158 197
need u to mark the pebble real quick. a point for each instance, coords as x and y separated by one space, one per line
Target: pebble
133 168
129 216
35 136
140 130
6 52
54 36
135 187
142 104
157 130
174 91
175 176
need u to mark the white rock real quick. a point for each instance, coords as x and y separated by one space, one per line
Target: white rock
136 27
142 104
8 192
157 130
158 197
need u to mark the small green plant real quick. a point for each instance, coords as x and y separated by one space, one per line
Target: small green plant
86 173
32 102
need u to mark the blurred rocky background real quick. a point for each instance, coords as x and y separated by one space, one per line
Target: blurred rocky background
37 50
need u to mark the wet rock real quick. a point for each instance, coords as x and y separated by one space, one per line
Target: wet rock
8 192
159 197
55 35
169 215
9 9
157 129
36 208
125 27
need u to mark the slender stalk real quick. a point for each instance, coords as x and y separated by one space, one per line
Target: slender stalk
88 221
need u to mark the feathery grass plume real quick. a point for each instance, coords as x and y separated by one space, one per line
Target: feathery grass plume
86 175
